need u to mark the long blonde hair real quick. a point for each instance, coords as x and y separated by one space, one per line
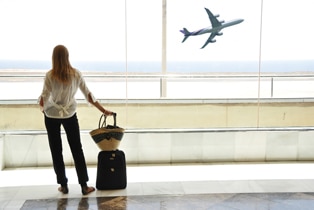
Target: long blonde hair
61 66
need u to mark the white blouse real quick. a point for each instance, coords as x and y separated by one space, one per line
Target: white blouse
59 99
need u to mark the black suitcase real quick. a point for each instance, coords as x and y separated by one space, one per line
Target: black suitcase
111 170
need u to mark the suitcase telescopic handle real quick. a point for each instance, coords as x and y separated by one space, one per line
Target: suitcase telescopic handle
114 119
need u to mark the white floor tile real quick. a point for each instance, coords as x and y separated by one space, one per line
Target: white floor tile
19 185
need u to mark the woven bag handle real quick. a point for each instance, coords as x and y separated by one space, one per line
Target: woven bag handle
104 124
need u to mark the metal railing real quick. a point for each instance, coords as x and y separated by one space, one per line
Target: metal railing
27 85
164 130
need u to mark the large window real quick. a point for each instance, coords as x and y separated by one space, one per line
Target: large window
136 45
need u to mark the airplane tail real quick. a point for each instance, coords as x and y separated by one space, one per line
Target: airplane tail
186 34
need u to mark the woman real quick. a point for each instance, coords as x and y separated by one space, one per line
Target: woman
59 107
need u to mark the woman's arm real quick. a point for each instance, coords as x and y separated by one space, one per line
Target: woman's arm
99 106
41 102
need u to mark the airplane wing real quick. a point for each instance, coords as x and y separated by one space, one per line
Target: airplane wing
209 40
214 21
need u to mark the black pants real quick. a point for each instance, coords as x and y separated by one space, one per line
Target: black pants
72 130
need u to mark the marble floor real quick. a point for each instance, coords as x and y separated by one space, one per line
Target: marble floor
202 186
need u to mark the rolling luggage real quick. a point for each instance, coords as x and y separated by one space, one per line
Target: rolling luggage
111 170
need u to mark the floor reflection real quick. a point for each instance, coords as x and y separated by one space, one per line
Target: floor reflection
226 201
112 202
62 204
119 202
83 204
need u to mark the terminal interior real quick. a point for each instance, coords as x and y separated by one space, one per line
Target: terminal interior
231 138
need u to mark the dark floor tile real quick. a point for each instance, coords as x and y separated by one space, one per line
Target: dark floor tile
249 201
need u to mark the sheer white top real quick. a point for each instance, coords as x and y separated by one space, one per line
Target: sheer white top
59 99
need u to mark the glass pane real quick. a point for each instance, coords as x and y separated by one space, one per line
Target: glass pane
227 67
93 31
144 36
287 43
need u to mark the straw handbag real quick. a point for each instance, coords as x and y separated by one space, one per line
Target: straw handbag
107 137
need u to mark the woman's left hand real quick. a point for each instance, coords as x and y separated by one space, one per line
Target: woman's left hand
108 113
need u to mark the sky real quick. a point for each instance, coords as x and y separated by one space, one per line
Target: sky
119 30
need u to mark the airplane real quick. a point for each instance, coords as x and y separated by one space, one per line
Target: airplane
216 27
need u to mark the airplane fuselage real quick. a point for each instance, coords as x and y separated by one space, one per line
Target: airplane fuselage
216 29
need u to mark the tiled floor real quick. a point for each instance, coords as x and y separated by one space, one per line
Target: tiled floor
224 186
